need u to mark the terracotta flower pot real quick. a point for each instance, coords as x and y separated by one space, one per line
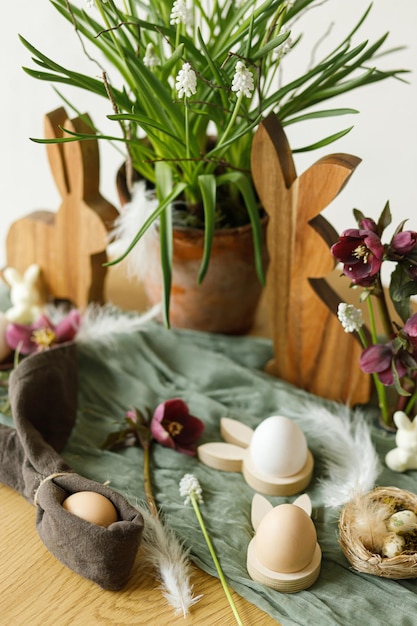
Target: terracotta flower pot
227 299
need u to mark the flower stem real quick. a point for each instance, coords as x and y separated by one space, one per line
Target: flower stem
383 309
231 121
410 404
187 130
380 389
215 559
147 484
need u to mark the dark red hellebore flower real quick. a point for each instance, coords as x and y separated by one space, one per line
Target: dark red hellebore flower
173 426
361 252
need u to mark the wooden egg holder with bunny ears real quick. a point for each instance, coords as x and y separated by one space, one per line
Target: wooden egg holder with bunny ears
233 455
285 582
69 245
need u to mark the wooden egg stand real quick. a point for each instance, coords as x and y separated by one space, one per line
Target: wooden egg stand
233 455
311 349
69 245
285 582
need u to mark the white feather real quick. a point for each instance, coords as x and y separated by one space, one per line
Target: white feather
343 443
165 553
128 224
370 521
104 323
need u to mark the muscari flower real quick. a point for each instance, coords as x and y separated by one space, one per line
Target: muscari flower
190 489
350 317
186 83
242 80
181 14
42 334
150 59
174 427
361 252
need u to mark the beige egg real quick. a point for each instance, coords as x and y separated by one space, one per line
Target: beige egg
393 545
286 539
278 447
92 507
402 521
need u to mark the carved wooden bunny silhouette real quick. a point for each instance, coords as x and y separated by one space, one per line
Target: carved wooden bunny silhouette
70 245
311 349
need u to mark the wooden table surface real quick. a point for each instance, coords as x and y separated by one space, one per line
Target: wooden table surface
36 589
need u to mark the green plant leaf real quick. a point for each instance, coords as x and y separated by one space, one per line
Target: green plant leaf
163 177
177 191
324 142
246 189
320 114
207 183
401 288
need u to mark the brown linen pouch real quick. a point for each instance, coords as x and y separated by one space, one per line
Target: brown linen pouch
43 399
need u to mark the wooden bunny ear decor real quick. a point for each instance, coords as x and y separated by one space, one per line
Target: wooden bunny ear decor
284 553
273 458
69 245
311 349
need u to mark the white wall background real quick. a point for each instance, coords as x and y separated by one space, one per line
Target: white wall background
384 136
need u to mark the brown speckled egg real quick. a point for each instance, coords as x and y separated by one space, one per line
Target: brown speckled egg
91 506
286 539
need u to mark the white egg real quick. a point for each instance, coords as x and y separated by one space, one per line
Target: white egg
278 447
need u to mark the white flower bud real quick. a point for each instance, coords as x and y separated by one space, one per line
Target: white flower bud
186 84
151 59
350 317
189 486
181 14
242 80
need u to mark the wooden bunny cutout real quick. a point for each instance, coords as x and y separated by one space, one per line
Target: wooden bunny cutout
284 553
70 245
404 456
274 458
311 349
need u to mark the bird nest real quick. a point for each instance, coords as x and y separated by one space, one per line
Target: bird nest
362 548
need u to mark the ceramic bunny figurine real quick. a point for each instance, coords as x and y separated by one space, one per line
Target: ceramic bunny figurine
404 456
26 294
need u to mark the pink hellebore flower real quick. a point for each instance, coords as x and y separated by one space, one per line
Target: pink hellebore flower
173 426
410 328
378 359
404 242
42 334
361 252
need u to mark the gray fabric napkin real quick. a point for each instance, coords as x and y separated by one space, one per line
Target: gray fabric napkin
43 398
